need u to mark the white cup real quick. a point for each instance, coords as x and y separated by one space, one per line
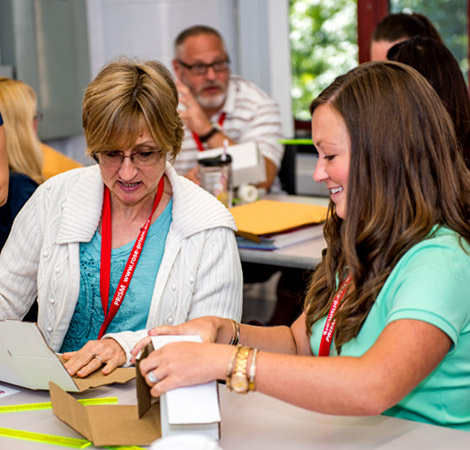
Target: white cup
185 442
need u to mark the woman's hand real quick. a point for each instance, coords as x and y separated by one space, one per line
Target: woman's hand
181 364
209 329
93 355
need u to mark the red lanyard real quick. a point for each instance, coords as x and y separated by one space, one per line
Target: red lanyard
330 324
196 137
105 269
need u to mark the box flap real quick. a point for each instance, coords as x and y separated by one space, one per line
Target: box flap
106 424
144 398
67 409
26 360
120 375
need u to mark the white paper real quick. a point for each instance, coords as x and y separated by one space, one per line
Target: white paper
6 391
197 404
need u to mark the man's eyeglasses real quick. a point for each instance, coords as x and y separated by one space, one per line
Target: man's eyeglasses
38 116
114 159
201 69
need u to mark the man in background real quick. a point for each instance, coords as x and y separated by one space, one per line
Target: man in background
217 105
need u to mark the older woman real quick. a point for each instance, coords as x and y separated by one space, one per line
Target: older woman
386 325
126 244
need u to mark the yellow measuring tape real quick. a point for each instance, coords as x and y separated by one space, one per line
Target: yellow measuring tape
48 405
45 438
50 438
56 440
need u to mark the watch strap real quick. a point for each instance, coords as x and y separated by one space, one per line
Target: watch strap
240 368
207 136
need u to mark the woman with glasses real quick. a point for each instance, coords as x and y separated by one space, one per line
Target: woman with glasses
126 244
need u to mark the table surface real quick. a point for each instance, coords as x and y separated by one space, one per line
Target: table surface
255 421
305 255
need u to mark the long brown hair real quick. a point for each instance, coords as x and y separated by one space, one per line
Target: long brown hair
433 60
400 26
406 175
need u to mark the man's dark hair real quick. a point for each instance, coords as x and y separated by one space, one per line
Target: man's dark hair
196 30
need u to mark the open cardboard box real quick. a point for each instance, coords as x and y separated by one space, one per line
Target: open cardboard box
141 424
26 360
248 165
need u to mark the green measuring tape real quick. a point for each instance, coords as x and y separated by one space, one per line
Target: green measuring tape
48 405
45 438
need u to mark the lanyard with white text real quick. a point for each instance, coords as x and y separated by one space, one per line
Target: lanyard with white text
105 269
196 137
330 324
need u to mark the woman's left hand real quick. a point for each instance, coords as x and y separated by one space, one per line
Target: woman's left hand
179 364
93 355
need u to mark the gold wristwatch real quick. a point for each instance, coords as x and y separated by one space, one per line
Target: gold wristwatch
239 380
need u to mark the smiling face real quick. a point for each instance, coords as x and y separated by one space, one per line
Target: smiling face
129 183
332 141
210 89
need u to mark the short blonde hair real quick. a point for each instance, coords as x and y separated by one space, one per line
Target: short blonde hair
123 95
18 107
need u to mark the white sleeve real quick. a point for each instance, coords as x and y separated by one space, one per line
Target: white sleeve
19 262
265 129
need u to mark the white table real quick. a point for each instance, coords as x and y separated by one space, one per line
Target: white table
301 256
255 421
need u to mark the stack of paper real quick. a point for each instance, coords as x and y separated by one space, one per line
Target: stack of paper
270 224
281 240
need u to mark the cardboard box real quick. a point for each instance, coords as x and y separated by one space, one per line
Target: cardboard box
141 424
26 360
248 165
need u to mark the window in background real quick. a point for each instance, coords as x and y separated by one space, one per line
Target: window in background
450 19
323 40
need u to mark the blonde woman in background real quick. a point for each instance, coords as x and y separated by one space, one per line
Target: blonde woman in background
3 165
15 189
26 154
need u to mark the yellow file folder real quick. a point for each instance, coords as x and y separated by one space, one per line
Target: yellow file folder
270 216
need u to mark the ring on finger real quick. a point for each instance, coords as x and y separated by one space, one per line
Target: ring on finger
152 378
95 356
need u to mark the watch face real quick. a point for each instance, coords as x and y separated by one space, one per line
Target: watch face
239 383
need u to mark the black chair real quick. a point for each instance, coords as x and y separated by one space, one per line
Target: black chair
287 171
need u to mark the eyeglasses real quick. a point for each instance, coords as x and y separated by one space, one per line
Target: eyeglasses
201 69
38 116
114 159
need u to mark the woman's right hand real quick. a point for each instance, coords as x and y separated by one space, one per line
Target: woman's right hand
209 329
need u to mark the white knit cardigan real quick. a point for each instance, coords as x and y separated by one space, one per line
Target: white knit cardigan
200 273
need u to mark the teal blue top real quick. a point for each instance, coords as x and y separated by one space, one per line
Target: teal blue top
132 315
431 283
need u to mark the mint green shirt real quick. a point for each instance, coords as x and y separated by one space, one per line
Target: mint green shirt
431 283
